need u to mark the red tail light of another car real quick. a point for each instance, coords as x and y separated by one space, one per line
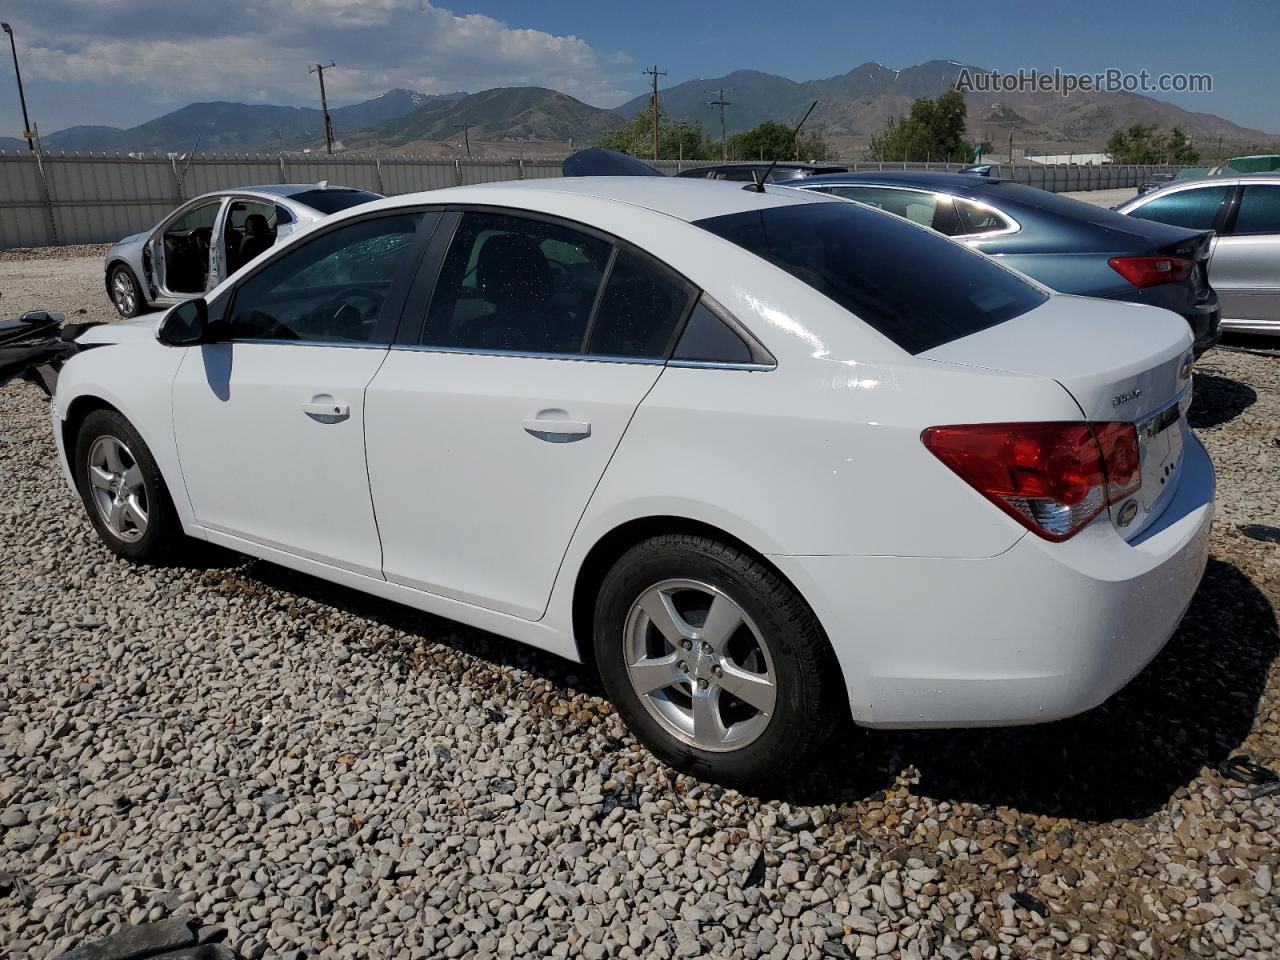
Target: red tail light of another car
1053 478
1151 271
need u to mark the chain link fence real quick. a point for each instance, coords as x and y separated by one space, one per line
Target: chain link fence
47 200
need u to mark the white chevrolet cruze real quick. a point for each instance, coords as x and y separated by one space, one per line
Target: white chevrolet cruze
762 457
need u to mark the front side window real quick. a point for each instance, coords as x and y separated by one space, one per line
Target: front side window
914 286
330 289
1259 209
1196 208
516 284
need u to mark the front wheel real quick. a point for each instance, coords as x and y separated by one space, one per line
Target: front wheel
125 292
715 663
123 490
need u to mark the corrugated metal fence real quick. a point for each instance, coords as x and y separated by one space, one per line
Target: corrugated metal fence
48 200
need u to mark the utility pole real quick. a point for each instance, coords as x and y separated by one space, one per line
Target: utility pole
655 73
466 126
22 97
1011 147
319 69
721 102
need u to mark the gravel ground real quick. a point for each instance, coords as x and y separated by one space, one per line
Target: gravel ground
325 774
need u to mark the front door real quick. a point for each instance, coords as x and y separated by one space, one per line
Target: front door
270 422
182 250
488 432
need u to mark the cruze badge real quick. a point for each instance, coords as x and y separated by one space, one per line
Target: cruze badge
1120 399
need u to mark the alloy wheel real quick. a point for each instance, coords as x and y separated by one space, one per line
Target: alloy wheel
117 487
699 665
123 293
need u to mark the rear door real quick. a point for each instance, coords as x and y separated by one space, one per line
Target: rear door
491 423
1245 269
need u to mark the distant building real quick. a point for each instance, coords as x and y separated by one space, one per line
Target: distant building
1087 159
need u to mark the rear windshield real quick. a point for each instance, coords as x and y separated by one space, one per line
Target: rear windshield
331 201
915 286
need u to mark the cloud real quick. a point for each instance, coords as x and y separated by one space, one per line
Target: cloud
82 56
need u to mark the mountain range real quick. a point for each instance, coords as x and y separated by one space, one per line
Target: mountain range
850 108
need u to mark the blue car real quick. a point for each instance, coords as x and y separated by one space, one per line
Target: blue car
1068 245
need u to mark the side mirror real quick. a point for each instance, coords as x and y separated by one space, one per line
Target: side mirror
185 325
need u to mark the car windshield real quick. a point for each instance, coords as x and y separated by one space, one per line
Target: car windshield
915 286
331 201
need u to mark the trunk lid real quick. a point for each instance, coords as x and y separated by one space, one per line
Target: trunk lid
1120 362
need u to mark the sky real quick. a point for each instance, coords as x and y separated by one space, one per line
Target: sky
120 62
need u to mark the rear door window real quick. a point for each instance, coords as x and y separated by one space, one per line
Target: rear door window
1259 209
914 286
1195 208
638 314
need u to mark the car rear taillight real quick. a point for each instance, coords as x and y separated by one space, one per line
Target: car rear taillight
1150 271
1053 478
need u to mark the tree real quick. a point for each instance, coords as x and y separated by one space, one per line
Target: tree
1143 143
933 129
676 138
774 141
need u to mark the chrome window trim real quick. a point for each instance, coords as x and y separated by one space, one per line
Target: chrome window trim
527 354
358 344
721 365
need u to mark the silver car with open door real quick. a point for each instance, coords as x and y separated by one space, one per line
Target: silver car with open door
209 238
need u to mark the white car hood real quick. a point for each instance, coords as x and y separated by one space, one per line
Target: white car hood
123 331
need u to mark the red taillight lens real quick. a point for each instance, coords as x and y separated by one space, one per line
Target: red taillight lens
1051 477
1150 271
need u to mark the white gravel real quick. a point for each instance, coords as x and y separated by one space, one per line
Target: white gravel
324 774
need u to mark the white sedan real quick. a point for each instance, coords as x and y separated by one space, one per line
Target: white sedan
767 459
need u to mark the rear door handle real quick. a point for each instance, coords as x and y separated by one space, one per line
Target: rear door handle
555 430
324 409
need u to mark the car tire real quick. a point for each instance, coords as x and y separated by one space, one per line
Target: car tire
123 491
125 291
716 718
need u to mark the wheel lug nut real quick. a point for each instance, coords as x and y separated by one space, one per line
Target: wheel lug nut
686 645
717 671
702 684
682 667
706 648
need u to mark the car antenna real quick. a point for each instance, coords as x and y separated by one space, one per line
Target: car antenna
758 185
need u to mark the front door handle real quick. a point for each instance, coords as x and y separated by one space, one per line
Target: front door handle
557 430
324 409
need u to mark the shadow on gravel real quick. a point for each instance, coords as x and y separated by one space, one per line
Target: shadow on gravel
1190 708
426 628
1216 400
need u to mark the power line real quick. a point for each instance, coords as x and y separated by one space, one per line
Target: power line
319 69
655 73
721 102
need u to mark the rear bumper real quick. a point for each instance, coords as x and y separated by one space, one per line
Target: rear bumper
1206 325
1038 633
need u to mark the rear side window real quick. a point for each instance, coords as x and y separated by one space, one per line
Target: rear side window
977 219
515 284
914 286
639 311
918 206
1259 210
1196 208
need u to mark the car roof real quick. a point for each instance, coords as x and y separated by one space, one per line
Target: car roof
914 178
683 199
781 165
1221 179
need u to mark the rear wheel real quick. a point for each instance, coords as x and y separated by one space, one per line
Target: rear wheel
125 292
123 491
714 661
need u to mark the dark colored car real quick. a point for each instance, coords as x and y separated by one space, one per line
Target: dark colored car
1066 244
784 171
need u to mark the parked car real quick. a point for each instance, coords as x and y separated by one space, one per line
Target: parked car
783 171
209 238
1244 259
767 459
1069 245
1154 182
1258 163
